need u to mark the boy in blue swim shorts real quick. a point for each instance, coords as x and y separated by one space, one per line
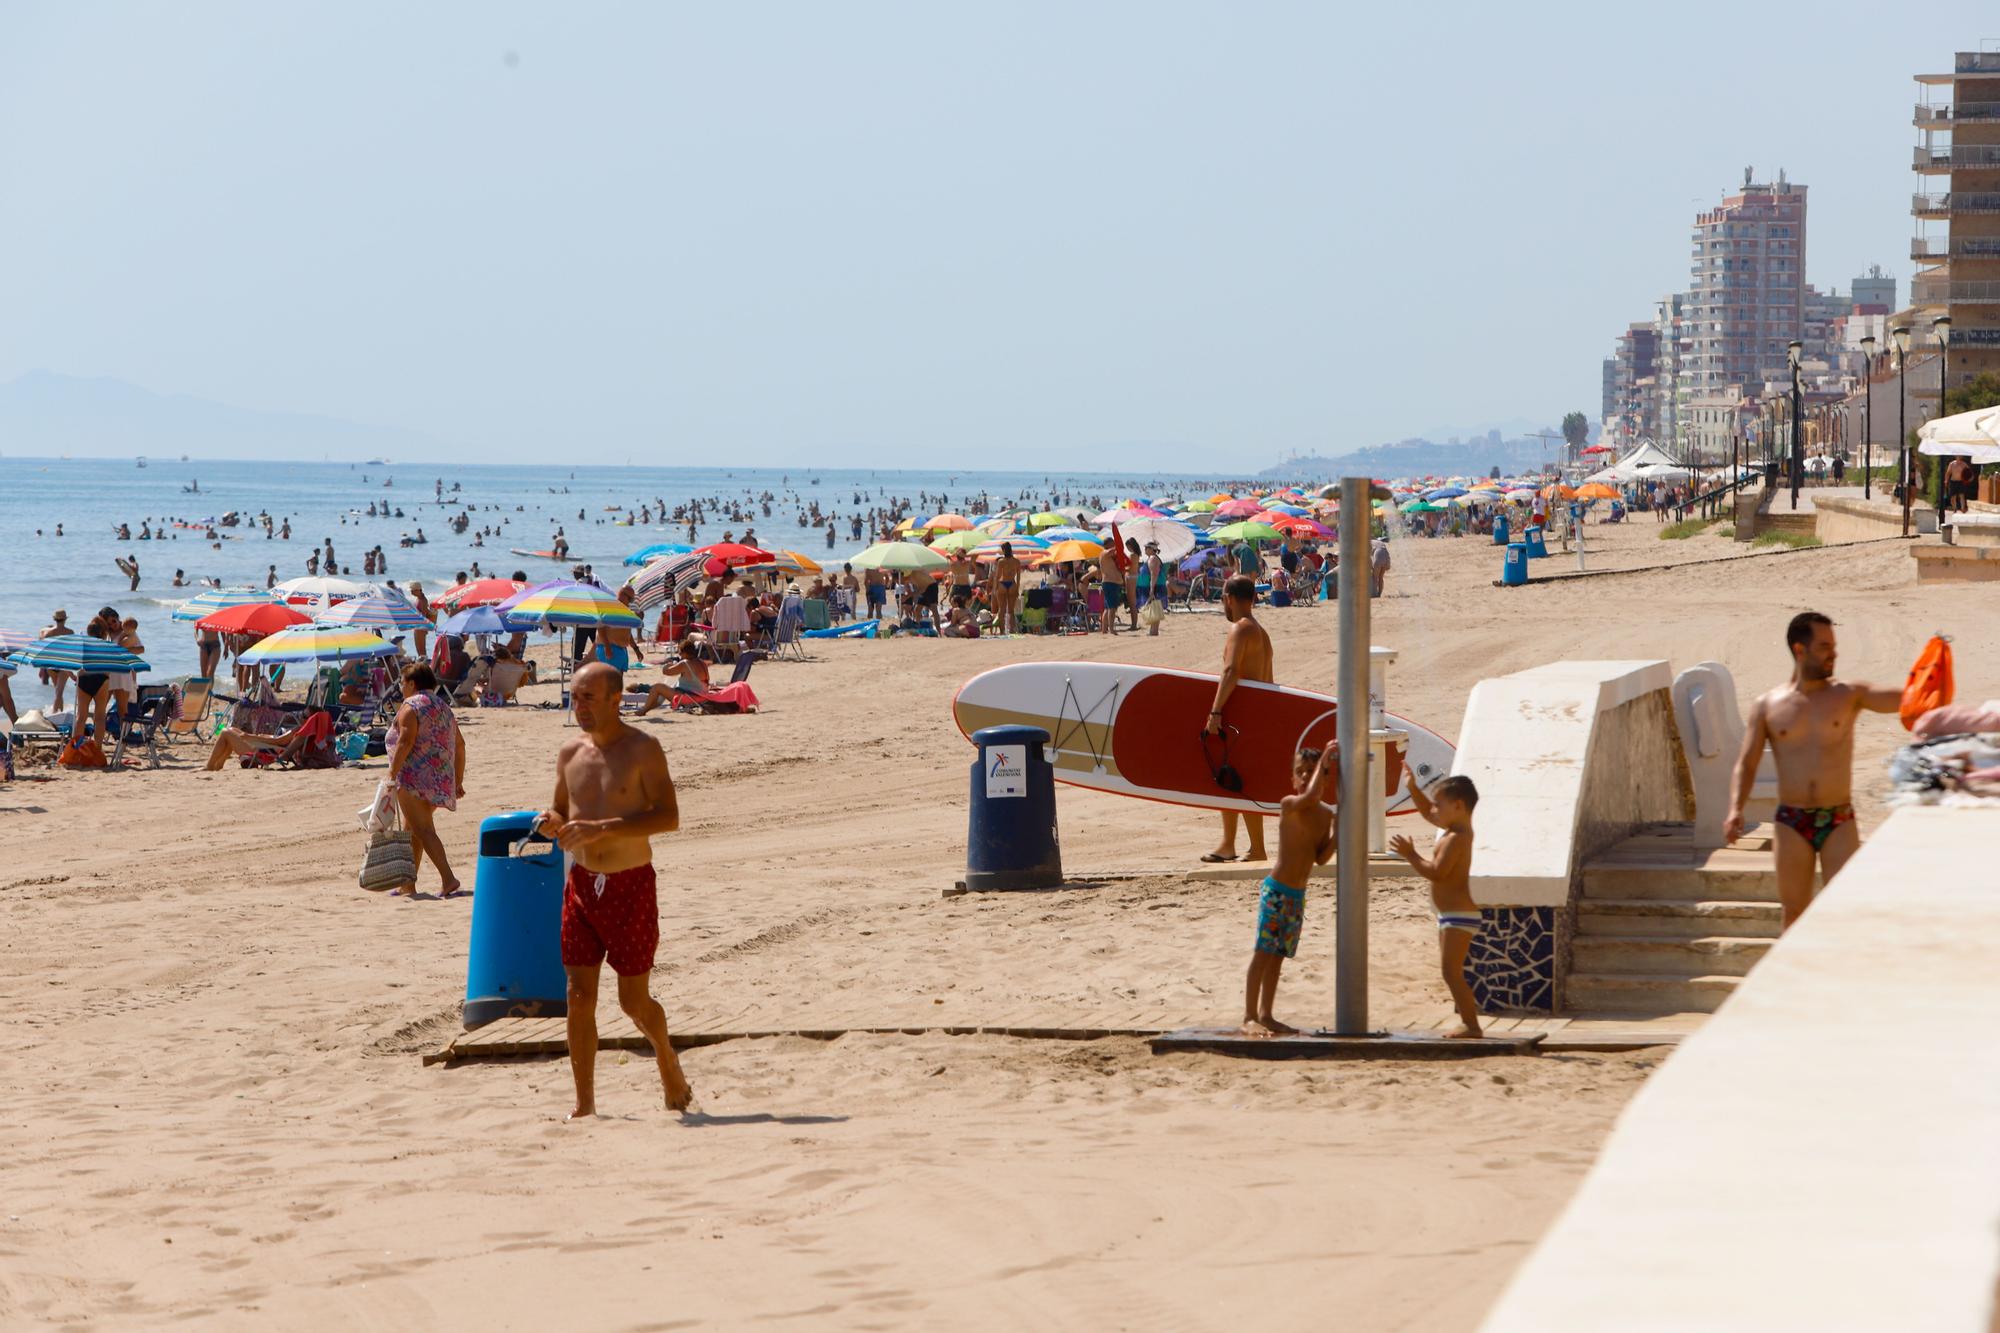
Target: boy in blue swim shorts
1306 837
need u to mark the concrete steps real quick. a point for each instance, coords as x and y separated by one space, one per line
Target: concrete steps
1666 927
1642 996
1677 919
1657 956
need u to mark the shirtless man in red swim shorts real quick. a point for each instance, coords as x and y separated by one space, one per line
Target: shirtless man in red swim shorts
1809 722
613 792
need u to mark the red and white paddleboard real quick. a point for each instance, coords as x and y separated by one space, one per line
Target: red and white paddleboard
1136 731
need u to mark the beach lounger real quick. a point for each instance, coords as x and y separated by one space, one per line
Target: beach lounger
197 697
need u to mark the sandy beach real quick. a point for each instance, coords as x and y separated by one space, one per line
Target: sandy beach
218 1114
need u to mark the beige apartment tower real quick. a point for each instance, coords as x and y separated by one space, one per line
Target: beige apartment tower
1957 245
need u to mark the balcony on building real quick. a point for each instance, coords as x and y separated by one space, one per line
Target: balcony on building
1955 203
1956 157
1967 62
1943 291
1935 249
1946 115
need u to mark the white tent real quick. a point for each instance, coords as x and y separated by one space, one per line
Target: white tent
1974 435
1637 465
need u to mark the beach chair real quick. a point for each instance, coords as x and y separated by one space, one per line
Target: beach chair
785 640
197 698
142 724
1035 620
708 703
325 688
1058 615
816 613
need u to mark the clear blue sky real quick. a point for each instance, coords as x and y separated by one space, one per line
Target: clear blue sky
1195 235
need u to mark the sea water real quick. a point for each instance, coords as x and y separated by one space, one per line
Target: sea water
77 572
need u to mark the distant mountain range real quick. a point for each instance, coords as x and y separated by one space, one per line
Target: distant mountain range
43 413
1420 457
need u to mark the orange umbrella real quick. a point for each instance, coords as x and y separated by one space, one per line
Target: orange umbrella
1558 491
1064 552
1595 490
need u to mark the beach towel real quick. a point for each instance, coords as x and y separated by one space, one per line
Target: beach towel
1959 720
860 629
1930 682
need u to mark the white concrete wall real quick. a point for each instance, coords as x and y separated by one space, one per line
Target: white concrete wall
1824 1155
1524 743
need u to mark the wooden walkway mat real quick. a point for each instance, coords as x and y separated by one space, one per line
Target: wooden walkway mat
513 1037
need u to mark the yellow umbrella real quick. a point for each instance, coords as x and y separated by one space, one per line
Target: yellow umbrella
806 564
1063 552
1220 498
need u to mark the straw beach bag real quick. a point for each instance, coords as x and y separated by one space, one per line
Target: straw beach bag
390 861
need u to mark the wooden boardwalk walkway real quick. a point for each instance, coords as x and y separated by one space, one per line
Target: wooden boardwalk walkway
515 1037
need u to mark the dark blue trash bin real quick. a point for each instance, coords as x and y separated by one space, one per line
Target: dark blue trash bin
1515 572
1537 548
1499 529
1011 840
514 965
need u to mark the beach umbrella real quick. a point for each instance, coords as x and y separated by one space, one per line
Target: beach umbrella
474 620
948 523
961 541
479 592
1286 508
1067 534
566 603
317 643
1254 532
1558 491
1050 518
797 562
1421 507
10 639
219 599
732 555
1064 552
258 618
660 582
1596 449
1238 508
647 554
1175 539
900 557
1199 507
78 652
999 523
7 668
1303 527
1444 493
1220 498
1025 548
312 589
377 611
1595 490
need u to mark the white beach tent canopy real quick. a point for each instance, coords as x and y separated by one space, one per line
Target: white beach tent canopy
1648 460
1974 435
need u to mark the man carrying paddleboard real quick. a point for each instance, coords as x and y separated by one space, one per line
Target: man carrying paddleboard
1246 655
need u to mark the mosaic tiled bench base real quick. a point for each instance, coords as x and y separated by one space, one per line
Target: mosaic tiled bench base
1512 965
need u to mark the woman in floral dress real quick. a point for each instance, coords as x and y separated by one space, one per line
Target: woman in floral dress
426 768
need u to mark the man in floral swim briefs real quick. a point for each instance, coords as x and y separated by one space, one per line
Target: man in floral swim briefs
613 792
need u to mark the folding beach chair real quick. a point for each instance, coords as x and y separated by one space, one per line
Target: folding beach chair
816 613
785 641
197 698
142 724
1059 607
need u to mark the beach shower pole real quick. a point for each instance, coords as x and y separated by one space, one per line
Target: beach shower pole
1905 473
1350 977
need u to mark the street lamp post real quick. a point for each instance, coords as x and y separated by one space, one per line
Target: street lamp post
1868 430
1793 351
1941 326
1900 336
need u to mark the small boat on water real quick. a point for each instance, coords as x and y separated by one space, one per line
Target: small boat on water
142 460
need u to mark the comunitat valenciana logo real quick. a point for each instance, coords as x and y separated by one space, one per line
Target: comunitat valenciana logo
1000 767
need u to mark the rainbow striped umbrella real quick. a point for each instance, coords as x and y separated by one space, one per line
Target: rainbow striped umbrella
317 643
566 603
221 599
10 639
376 611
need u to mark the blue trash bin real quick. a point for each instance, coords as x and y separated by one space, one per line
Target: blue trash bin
1011 840
1537 549
1499 529
1515 572
514 965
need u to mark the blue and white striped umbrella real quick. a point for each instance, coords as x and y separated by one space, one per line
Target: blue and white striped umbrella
646 555
221 599
376 611
78 652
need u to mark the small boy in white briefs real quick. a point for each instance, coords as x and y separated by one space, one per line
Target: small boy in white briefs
1449 869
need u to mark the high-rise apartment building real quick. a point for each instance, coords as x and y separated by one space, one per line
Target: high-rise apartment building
1746 298
1958 226
1671 388
1630 381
